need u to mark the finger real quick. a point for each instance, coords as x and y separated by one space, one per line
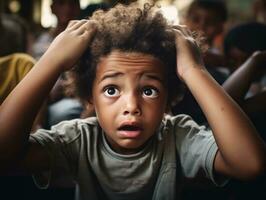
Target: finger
88 34
179 34
178 26
184 29
87 27
77 23
71 23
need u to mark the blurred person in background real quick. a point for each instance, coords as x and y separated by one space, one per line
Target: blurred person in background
239 83
240 43
15 35
245 47
242 40
64 11
60 106
206 17
259 10
15 62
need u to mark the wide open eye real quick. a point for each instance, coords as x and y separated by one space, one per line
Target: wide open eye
111 91
150 92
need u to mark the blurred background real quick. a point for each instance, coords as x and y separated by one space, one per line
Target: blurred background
38 12
29 26
39 16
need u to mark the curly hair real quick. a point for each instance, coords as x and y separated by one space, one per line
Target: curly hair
128 28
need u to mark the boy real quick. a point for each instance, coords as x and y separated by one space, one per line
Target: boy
130 64
208 17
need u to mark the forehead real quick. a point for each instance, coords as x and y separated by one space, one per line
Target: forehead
202 11
130 62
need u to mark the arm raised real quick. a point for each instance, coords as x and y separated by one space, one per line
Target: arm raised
238 84
241 152
20 108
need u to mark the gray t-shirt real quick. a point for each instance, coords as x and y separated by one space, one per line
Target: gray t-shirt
79 150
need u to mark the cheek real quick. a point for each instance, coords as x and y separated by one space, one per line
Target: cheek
104 108
157 108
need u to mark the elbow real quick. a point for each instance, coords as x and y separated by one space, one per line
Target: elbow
255 169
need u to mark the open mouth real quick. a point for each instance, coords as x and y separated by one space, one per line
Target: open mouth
129 128
129 131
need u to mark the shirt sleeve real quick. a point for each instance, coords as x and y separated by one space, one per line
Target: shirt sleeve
24 63
196 148
62 143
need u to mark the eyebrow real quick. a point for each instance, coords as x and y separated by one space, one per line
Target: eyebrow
151 76
110 75
115 74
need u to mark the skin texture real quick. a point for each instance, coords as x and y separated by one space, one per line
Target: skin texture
239 83
241 152
129 89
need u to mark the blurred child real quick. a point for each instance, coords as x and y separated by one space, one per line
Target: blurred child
15 36
131 149
259 10
15 63
242 40
240 43
60 106
64 11
238 86
208 17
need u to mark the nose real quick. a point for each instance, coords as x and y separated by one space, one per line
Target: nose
132 105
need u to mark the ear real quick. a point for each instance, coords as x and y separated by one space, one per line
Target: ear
88 110
90 101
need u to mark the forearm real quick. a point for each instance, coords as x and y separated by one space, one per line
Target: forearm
19 110
239 82
238 142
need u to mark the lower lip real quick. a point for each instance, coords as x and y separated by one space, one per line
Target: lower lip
129 134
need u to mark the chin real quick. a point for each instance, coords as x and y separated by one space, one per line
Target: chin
131 146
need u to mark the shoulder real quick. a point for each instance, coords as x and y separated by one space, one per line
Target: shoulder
23 57
76 124
20 60
69 131
180 121
18 57
17 63
186 129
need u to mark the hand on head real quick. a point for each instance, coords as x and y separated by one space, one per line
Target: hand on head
188 51
70 44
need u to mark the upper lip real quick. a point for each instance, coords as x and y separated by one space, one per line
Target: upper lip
131 125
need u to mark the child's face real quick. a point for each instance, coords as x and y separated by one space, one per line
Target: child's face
65 10
204 20
130 96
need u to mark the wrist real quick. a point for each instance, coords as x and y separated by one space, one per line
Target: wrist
192 72
54 61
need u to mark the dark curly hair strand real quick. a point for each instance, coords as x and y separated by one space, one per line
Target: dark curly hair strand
128 28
